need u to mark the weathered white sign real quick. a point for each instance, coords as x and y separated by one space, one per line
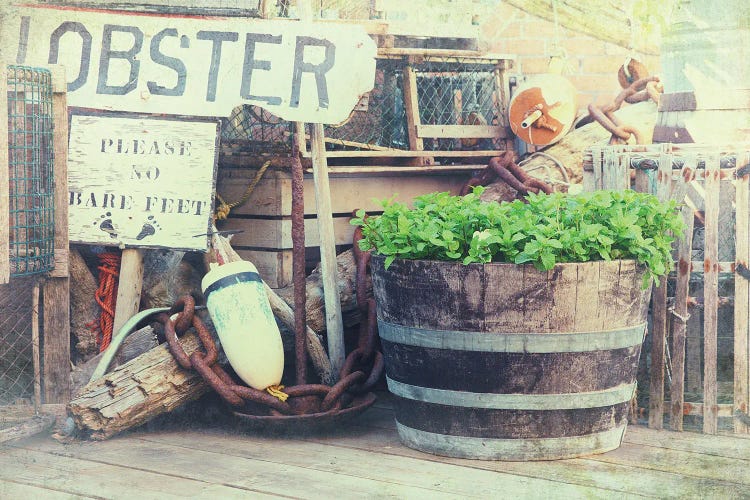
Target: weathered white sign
194 65
141 182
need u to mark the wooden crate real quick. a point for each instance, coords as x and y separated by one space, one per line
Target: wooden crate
266 222
712 182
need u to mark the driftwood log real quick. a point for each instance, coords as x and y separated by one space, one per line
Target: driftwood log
83 306
137 391
569 151
346 280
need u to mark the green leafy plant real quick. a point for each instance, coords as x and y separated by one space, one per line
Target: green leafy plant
549 229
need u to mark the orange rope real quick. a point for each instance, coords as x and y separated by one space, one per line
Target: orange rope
106 296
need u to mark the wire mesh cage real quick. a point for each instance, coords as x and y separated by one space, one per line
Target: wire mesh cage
16 349
451 91
29 201
30 160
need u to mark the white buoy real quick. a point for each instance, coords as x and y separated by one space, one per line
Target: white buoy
239 307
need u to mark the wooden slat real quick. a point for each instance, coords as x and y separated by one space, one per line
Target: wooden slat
612 479
276 234
96 478
587 298
461 131
380 455
329 268
742 300
659 314
349 191
56 291
274 266
711 296
411 107
4 179
130 283
681 313
13 489
397 153
259 464
697 409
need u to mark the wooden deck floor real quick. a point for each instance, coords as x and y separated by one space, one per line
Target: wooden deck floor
363 459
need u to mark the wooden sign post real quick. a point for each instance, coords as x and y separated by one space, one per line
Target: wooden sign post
137 183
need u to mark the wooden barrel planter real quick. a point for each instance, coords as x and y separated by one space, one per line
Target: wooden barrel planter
706 74
501 361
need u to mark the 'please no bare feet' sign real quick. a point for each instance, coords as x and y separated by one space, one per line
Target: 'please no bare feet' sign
141 182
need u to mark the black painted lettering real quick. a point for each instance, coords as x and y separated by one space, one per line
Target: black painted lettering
151 202
251 63
217 37
106 144
54 51
319 70
172 63
103 86
75 198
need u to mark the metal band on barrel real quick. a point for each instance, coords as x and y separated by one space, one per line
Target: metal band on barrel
511 449
594 399
512 342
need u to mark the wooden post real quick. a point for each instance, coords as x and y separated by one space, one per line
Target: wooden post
56 289
4 179
129 287
742 300
411 106
334 322
681 313
659 313
711 296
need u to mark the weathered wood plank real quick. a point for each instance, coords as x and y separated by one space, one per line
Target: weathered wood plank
380 457
413 119
659 313
742 301
461 131
272 195
259 464
4 178
681 313
587 298
59 470
720 445
129 287
711 295
611 479
13 489
334 321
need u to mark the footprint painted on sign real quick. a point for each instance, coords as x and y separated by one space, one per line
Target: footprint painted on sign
150 226
105 224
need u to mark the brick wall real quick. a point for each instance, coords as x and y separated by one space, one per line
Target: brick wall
592 64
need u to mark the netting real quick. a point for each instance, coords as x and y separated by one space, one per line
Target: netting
16 351
30 161
451 91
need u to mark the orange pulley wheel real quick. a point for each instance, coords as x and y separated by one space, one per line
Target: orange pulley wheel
543 109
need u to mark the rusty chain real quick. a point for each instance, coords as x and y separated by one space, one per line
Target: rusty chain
505 169
361 371
640 90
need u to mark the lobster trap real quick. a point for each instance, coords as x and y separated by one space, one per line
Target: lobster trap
700 335
34 357
434 107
